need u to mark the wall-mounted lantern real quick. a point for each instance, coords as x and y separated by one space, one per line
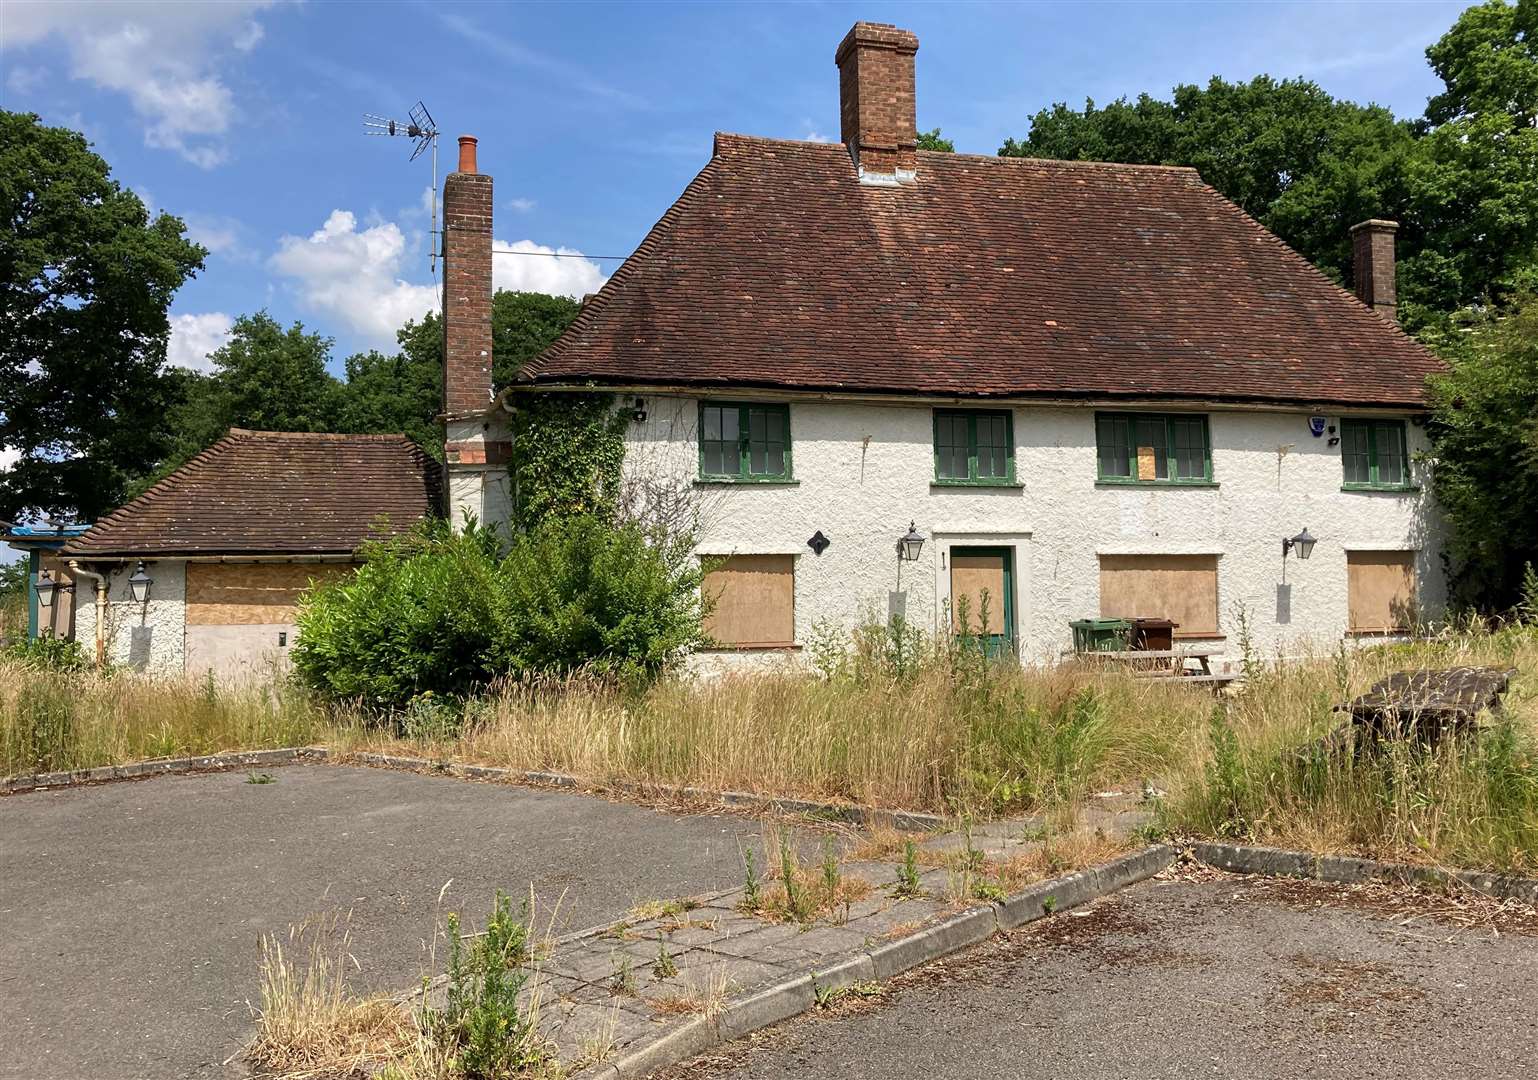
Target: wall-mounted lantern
1302 544
46 586
638 411
908 549
139 584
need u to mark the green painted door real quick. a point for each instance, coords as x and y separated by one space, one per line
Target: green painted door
983 597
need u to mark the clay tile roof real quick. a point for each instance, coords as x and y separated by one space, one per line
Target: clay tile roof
268 492
987 276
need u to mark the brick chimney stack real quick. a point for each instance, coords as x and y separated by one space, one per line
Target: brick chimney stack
466 286
1372 264
877 113
477 439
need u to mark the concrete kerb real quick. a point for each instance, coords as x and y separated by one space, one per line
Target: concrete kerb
798 993
243 759
1348 870
905 820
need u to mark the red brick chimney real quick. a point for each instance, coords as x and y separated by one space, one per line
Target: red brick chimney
466 286
876 101
1372 263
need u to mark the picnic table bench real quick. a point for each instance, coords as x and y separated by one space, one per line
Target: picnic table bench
1427 703
1166 663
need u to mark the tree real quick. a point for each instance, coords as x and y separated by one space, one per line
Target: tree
1303 164
398 392
523 324
1486 432
86 278
932 140
270 379
1475 180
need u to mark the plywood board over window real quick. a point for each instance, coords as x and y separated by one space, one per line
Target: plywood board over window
251 594
1381 590
1179 587
754 601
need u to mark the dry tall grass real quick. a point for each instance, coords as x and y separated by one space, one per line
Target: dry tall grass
73 720
984 739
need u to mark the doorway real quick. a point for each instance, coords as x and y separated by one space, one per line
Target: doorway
983 597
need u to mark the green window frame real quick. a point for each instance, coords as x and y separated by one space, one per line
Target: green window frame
1374 455
745 442
974 447
1182 445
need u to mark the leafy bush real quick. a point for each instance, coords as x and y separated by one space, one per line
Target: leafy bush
442 613
425 612
601 597
47 652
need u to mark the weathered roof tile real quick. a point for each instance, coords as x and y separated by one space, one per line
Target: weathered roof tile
985 277
266 492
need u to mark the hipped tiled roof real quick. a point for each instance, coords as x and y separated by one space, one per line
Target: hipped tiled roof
274 493
987 277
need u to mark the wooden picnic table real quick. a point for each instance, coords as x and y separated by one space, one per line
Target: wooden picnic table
1168 662
1427 702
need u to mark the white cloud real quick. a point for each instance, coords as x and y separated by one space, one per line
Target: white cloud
357 277
535 271
193 337
522 205
163 55
219 234
23 80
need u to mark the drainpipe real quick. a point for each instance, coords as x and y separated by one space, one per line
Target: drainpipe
101 610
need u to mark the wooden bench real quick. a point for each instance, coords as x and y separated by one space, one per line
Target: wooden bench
1166 662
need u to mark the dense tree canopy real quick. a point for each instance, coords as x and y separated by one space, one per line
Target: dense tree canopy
1462 181
86 276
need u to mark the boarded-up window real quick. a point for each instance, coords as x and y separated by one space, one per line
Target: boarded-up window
1179 587
754 598
1381 589
226 594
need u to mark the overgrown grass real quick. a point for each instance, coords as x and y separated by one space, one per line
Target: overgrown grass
957 738
52 719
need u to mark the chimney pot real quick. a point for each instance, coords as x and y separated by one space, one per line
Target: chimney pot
1372 265
467 153
877 114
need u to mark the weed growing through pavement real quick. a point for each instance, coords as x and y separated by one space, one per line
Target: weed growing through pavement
801 895
707 999
828 996
752 897
260 778
664 968
908 873
622 982
1049 905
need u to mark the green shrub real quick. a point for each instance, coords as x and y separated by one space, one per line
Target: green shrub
601 597
47 652
440 613
425 612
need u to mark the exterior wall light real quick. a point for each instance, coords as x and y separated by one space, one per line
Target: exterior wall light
46 586
908 548
139 584
1303 543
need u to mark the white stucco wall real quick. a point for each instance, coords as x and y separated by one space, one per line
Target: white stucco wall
145 637
480 490
863 471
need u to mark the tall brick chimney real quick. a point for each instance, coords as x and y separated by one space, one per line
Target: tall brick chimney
477 440
876 101
1372 265
466 286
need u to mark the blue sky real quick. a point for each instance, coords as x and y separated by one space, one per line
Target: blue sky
244 118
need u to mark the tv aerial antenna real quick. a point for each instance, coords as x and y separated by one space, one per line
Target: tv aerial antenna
423 132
